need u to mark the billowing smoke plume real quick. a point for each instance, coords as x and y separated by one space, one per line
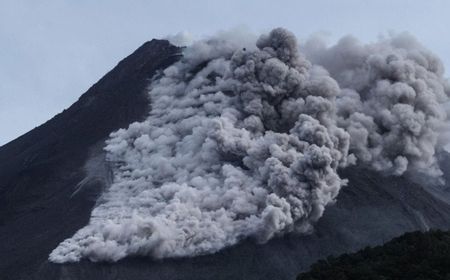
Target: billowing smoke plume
391 102
244 141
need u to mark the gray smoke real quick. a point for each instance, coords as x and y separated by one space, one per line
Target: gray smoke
391 101
244 140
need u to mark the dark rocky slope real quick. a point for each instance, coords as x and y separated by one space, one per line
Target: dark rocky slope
40 171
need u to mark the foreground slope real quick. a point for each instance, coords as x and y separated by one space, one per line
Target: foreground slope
45 196
412 256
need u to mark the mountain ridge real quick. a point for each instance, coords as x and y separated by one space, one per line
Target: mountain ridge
41 170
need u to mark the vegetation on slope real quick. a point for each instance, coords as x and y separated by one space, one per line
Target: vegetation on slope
412 256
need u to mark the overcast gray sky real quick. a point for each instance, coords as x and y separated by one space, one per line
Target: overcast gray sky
53 51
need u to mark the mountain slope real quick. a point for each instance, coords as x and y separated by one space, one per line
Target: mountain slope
51 176
370 211
412 256
40 170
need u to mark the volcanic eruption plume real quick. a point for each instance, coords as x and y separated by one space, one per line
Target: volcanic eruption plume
245 141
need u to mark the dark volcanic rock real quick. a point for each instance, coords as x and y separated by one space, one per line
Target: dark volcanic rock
40 170
45 197
370 211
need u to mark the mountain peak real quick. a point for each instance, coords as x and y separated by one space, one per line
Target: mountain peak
47 194
40 170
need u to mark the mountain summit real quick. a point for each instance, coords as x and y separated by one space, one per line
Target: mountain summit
40 199
52 177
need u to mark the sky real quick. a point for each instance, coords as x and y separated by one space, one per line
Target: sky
53 51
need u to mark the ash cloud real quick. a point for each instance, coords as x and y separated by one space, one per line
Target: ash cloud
245 137
391 102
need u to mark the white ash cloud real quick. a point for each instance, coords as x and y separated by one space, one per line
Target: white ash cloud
181 39
391 101
244 140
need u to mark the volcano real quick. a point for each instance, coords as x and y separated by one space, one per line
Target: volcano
52 177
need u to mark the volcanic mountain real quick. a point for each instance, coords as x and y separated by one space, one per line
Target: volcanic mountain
52 177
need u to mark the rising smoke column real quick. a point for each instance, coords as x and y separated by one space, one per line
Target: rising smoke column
391 103
239 143
244 141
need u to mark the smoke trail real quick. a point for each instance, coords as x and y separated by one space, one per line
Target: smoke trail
244 141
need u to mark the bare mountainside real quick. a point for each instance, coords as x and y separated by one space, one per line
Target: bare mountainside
51 177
